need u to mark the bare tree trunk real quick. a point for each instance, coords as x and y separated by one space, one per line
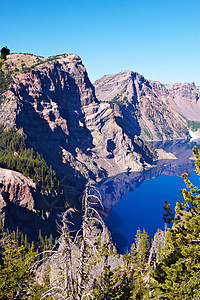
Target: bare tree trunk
83 245
68 263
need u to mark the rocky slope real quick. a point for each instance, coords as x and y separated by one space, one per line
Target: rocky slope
154 110
54 104
20 205
16 189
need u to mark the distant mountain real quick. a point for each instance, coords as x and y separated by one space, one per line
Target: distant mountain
53 102
153 110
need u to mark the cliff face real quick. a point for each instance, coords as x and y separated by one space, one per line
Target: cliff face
18 201
22 206
184 98
154 110
16 189
56 107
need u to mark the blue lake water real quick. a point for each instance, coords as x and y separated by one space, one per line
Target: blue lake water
143 206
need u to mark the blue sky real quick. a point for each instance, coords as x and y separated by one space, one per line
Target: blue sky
158 39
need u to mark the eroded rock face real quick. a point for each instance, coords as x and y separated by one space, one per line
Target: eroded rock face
21 206
17 202
17 189
184 98
56 106
154 110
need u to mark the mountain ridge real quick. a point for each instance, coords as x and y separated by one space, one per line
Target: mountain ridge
54 104
160 111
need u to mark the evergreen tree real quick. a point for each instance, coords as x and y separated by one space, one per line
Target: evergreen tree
4 52
139 256
126 282
177 273
113 285
16 271
15 155
142 248
17 268
168 215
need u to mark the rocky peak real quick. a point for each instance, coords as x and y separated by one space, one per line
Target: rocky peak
55 77
55 105
187 91
125 86
158 111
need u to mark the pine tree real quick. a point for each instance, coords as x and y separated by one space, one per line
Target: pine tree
4 52
16 271
112 285
142 248
139 259
177 273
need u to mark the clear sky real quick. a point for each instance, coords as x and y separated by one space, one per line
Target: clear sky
159 39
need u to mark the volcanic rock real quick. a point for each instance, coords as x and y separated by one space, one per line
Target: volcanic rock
56 107
155 111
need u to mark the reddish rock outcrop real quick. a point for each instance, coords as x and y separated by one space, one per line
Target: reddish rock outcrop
17 203
21 206
17 189
56 106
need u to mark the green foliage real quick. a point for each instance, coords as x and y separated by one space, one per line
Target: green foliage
117 100
5 77
120 99
38 290
15 155
126 282
146 133
4 52
142 247
146 148
136 262
177 273
16 270
18 259
5 80
194 126
168 215
112 285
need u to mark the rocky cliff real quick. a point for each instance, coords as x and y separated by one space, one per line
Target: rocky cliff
21 204
16 189
54 104
154 110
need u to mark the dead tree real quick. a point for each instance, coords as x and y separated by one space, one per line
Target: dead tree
74 280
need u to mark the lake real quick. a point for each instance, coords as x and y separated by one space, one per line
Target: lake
135 200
